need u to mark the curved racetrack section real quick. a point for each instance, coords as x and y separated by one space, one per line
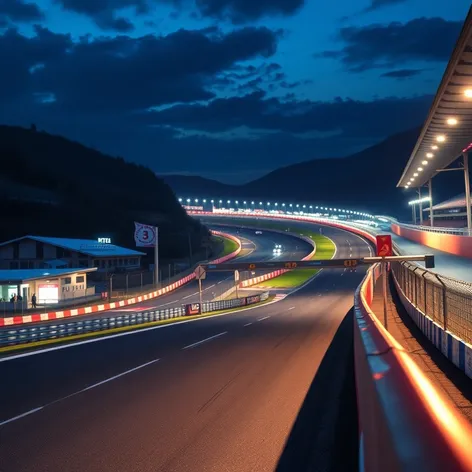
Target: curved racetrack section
225 393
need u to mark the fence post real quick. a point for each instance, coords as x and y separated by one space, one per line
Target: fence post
444 295
424 292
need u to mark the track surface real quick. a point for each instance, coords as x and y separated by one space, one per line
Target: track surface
217 394
257 248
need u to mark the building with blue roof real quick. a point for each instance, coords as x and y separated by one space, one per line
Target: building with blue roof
39 252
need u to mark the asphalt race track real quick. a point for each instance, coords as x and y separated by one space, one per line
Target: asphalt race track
261 249
216 394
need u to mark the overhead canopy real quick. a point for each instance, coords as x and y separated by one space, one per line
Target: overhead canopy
450 117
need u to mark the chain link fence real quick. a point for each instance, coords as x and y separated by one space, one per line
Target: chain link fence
447 301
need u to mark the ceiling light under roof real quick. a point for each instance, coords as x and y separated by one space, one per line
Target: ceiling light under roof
440 138
429 155
434 147
420 169
411 180
425 163
468 93
452 121
415 174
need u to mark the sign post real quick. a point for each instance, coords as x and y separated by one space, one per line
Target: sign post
384 249
200 274
148 236
236 281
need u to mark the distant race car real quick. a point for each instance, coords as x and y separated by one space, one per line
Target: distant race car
258 232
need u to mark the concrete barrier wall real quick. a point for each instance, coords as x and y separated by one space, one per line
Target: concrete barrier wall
452 243
405 424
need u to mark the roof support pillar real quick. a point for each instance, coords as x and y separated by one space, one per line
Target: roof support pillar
467 190
413 214
420 206
431 215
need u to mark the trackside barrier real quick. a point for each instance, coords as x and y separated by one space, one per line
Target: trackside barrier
56 315
30 334
405 424
438 311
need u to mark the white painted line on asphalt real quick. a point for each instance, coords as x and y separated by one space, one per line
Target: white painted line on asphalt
126 372
191 295
248 324
204 340
130 333
291 308
262 319
21 416
90 387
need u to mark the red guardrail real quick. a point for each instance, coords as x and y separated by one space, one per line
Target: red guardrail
451 243
56 315
405 424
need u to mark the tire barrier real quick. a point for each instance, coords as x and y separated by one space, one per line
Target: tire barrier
57 315
30 334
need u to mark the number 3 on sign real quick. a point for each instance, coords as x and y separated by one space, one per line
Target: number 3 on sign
145 235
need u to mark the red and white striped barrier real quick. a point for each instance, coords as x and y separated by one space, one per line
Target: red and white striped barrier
58 315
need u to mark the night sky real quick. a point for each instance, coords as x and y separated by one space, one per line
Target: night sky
227 89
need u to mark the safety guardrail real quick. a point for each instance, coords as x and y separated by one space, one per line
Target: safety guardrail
405 424
29 334
37 317
437 229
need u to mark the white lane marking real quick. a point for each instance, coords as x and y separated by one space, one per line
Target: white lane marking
248 324
188 296
204 340
291 308
262 319
126 372
129 333
90 387
10 420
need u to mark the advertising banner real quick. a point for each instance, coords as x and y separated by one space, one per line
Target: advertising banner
192 309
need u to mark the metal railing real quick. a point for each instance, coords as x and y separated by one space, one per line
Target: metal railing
438 229
447 301
34 333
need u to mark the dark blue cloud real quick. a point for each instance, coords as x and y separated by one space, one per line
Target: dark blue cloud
401 74
378 45
19 11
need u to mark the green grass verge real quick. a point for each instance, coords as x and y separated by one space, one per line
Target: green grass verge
325 249
229 245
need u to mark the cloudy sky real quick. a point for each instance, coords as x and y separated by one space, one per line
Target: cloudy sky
227 89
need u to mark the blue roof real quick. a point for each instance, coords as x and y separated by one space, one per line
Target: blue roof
18 275
84 246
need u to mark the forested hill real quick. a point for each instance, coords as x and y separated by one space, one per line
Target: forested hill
52 186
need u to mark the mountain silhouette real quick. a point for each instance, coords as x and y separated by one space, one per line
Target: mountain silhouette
364 181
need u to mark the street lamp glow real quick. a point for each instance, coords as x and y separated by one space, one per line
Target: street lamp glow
468 93
221 201
429 155
188 200
260 203
440 138
421 200
180 199
291 205
196 200
212 201
452 121
298 205
204 201
283 204
252 203
228 202
236 202
244 203
276 204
